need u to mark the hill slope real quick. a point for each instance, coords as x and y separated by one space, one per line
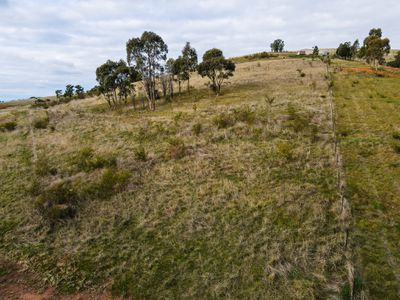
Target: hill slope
206 197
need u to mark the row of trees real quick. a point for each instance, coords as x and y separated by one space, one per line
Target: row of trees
71 91
373 50
147 63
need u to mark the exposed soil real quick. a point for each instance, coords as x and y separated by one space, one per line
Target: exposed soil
18 284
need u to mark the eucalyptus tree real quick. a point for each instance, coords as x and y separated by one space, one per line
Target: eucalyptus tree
277 45
116 81
146 55
375 47
189 60
79 91
217 68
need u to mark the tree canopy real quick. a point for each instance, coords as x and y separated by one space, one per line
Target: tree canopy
216 67
277 45
375 47
146 55
116 81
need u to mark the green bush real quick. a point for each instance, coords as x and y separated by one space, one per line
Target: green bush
8 126
41 123
140 153
223 121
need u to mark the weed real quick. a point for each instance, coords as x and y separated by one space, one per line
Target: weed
284 149
86 160
58 201
396 147
245 115
41 123
223 120
297 121
197 128
43 167
4 271
396 135
112 181
140 153
177 148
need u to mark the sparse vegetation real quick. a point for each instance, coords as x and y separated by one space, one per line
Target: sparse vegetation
243 185
41 122
8 126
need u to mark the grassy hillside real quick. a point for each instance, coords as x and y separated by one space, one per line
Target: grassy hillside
368 115
232 197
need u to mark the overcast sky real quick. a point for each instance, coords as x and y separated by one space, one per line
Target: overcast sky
46 44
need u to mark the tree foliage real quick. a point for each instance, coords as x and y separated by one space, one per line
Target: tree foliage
69 91
375 47
59 93
79 91
116 81
344 50
216 67
315 51
145 55
277 45
396 62
189 61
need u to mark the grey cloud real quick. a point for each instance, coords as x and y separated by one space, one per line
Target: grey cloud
47 44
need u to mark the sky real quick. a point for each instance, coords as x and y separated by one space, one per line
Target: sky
47 44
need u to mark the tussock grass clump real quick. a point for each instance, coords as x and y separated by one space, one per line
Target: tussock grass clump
177 148
43 167
396 135
223 120
140 153
285 149
8 126
112 181
197 128
41 123
86 160
58 201
298 121
245 115
396 147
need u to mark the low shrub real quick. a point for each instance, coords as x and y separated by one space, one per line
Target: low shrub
177 148
8 126
41 123
223 121
140 153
